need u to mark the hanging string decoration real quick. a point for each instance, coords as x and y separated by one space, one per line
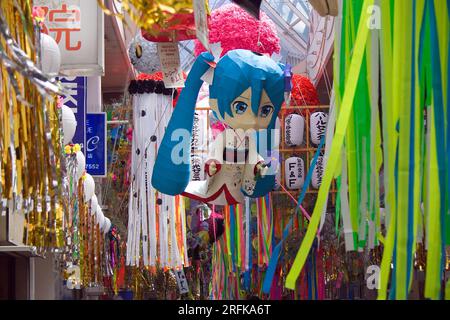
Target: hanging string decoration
414 133
156 218
235 28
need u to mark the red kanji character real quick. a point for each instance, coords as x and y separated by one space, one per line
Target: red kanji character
65 15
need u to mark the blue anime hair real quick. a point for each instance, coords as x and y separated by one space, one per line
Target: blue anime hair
235 72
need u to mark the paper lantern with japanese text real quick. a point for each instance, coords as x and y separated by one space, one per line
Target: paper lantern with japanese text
316 178
318 126
294 125
294 169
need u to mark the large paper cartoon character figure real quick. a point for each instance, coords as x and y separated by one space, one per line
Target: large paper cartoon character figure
246 94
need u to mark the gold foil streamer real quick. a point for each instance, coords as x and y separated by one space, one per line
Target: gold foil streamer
30 175
148 13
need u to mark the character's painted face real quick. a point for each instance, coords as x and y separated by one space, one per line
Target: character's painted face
243 116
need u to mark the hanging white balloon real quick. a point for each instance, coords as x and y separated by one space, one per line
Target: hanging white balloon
94 204
144 55
89 187
50 55
106 225
81 164
99 217
69 124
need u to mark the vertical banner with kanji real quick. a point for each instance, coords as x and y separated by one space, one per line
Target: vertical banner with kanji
96 144
76 97
77 27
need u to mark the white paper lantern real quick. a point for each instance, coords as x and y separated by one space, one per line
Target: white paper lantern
276 134
144 55
50 55
316 178
294 173
81 164
106 225
99 217
69 124
94 204
294 125
89 187
318 126
277 175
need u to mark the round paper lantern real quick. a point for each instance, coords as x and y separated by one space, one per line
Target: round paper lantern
277 134
316 178
50 55
89 187
294 125
99 217
106 225
294 173
81 164
144 55
69 124
235 28
94 204
318 126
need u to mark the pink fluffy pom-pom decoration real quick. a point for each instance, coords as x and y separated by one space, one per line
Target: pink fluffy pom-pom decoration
234 28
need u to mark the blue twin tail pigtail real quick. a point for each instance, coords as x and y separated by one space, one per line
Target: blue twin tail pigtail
172 166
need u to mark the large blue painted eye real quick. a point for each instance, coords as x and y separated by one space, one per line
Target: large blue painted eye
240 107
266 111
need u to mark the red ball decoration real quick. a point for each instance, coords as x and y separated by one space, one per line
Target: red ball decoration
303 92
235 28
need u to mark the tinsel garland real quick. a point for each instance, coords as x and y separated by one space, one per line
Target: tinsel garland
30 169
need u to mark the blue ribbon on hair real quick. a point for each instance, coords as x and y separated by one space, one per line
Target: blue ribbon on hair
276 253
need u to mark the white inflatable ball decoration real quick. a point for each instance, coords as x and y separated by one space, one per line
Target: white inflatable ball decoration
144 55
99 217
294 126
69 124
106 225
81 164
316 178
89 187
318 126
94 204
50 55
294 173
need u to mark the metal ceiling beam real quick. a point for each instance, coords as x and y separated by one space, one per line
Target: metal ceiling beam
291 36
298 13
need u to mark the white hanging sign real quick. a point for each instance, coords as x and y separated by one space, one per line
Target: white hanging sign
201 23
181 281
197 168
169 57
